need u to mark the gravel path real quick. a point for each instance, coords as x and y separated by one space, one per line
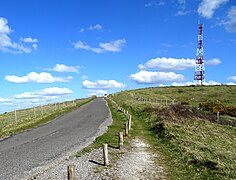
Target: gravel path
133 163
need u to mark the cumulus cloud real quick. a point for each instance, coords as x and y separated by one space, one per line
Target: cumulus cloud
6 44
99 92
173 64
35 46
230 23
231 84
148 77
103 84
51 91
63 68
207 7
213 62
5 100
183 83
211 83
29 40
113 46
168 64
155 3
36 97
96 27
42 77
232 78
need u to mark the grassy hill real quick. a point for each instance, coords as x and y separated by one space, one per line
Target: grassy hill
192 143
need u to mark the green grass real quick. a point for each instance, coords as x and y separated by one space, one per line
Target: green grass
192 95
27 120
111 136
191 147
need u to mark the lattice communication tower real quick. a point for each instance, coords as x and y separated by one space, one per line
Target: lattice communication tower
199 73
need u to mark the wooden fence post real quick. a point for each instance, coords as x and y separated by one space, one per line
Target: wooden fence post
71 172
126 129
105 154
15 116
129 121
218 116
121 140
34 112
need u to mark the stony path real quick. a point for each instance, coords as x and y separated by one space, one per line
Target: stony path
133 163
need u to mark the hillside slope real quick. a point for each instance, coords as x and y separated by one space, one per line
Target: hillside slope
191 143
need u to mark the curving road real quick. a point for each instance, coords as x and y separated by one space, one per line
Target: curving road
38 147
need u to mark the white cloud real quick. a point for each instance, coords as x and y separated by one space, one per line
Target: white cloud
40 96
84 77
169 64
42 77
26 99
231 84
183 83
5 100
182 13
6 44
173 64
98 92
211 83
213 62
103 84
113 46
207 7
232 78
35 47
230 23
147 77
54 91
96 27
82 30
155 3
29 40
64 68
81 45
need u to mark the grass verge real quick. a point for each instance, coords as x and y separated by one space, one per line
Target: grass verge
111 136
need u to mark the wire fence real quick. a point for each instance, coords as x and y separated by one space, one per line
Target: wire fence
8 119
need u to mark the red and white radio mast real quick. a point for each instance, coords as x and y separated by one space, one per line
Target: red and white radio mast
199 73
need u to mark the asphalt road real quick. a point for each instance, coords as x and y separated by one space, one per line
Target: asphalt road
37 147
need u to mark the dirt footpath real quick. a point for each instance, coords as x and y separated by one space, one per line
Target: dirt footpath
132 163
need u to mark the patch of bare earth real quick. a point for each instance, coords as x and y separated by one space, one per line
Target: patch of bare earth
132 163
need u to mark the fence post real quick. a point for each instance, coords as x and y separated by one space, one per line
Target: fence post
129 121
34 112
71 172
126 129
121 140
105 154
218 116
15 116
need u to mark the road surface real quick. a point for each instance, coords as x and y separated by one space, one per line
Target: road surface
24 154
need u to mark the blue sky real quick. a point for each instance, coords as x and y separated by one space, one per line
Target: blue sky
56 50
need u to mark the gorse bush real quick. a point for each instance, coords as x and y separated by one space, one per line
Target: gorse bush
218 107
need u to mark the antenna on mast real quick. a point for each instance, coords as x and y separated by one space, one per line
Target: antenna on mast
199 73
